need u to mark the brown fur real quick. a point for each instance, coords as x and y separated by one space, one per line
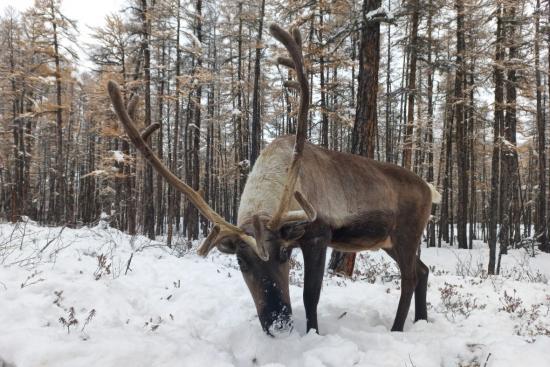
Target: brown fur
346 189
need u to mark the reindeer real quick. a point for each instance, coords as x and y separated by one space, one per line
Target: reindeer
301 195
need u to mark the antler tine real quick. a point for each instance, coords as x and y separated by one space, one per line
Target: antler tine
297 36
149 130
306 205
292 84
293 44
209 242
131 108
285 61
221 227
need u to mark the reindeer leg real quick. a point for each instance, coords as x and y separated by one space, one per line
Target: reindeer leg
420 309
314 251
407 290
405 256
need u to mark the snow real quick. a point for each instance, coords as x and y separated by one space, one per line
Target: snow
245 164
97 172
170 307
195 40
118 156
50 80
381 12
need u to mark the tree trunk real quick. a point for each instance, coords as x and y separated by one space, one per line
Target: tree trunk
429 133
159 197
194 214
148 207
324 116
446 153
541 234
364 128
461 130
471 146
509 233
256 135
173 195
60 174
494 205
411 85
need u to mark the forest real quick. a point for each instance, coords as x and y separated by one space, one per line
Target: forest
455 91
96 245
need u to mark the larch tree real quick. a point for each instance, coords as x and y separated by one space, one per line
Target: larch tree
541 229
413 7
365 125
461 128
456 95
59 36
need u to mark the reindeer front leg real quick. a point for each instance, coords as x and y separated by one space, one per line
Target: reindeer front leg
314 251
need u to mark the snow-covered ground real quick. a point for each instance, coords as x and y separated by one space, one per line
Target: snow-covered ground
69 298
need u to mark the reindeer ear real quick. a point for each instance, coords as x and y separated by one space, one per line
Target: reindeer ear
293 231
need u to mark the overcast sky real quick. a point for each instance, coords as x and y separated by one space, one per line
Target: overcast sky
86 13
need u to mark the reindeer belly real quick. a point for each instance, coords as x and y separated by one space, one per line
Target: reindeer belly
368 231
359 244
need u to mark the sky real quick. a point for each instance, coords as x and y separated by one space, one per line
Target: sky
86 13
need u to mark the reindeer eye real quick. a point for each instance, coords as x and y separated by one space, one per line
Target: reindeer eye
242 264
283 254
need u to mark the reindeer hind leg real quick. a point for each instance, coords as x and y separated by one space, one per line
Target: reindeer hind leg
420 309
404 253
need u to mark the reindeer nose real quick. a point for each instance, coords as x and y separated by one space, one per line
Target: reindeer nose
277 322
281 326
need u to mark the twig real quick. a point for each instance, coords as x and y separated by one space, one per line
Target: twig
487 360
50 241
88 319
23 236
128 263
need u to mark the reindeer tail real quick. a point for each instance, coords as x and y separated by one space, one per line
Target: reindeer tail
436 196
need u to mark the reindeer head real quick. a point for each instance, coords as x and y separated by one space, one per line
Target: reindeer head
267 279
262 244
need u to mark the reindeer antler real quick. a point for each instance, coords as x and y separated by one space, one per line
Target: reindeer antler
293 44
222 229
